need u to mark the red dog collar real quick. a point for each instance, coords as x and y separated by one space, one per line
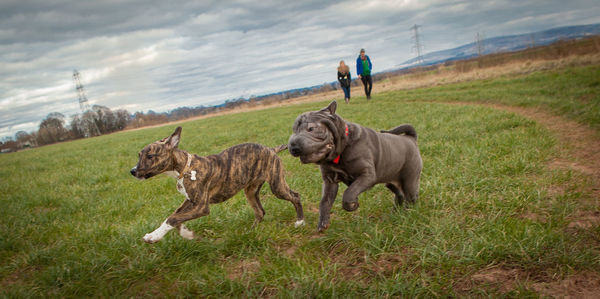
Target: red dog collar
337 159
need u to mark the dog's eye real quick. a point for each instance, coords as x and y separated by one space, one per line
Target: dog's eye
311 129
149 156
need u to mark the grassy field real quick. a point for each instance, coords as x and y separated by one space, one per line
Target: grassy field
72 216
571 92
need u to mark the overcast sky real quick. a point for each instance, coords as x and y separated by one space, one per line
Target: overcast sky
159 55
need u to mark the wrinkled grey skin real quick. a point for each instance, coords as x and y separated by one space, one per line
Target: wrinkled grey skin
366 158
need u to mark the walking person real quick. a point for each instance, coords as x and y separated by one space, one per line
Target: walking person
363 70
345 79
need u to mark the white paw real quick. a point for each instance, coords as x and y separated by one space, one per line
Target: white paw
158 233
185 233
150 238
299 223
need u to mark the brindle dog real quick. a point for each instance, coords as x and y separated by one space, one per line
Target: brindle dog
214 179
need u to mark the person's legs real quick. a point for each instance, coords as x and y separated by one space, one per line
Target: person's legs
365 82
349 86
346 93
370 82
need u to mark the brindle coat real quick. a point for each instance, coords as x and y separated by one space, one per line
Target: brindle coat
214 179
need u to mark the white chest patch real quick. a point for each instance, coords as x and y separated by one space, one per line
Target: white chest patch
180 185
181 188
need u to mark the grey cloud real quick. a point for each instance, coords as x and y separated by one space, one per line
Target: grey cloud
72 20
159 55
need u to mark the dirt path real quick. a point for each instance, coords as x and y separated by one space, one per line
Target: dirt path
259 106
579 141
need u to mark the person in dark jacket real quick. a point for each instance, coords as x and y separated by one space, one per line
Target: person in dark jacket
345 79
363 70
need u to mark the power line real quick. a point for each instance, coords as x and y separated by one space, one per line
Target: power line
83 101
89 123
479 43
418 46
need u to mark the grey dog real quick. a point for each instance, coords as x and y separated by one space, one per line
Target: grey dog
214 179
357 156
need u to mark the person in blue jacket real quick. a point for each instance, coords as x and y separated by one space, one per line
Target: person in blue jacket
363 70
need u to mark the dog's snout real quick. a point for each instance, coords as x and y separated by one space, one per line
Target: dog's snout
133 171
294 148
295 151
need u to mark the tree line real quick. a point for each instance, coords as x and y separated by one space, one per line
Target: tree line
102 120
97 121
54 128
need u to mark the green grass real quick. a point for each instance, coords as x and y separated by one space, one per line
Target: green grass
572 92
72 216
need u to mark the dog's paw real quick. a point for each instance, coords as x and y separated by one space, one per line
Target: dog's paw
299 223
185 233
350 206
322 228
150 238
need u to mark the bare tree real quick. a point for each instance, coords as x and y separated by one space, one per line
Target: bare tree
77 127
52 129
122 119
89 123
25 139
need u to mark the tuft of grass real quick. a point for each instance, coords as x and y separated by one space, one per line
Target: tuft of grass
73 217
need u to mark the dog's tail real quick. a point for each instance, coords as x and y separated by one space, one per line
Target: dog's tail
280 148
403 129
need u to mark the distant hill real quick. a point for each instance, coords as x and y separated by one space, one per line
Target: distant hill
506 44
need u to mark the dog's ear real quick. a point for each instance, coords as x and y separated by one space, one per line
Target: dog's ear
331 108
173 140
